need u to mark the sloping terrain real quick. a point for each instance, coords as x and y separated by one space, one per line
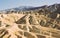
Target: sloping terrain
28 26
38 23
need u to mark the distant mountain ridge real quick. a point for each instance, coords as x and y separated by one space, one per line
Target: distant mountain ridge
20 8
51 8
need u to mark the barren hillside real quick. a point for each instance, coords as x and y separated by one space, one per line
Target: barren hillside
39 23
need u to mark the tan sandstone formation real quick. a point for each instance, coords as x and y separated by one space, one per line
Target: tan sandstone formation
28 26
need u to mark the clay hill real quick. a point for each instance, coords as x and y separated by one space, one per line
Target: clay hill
30 22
